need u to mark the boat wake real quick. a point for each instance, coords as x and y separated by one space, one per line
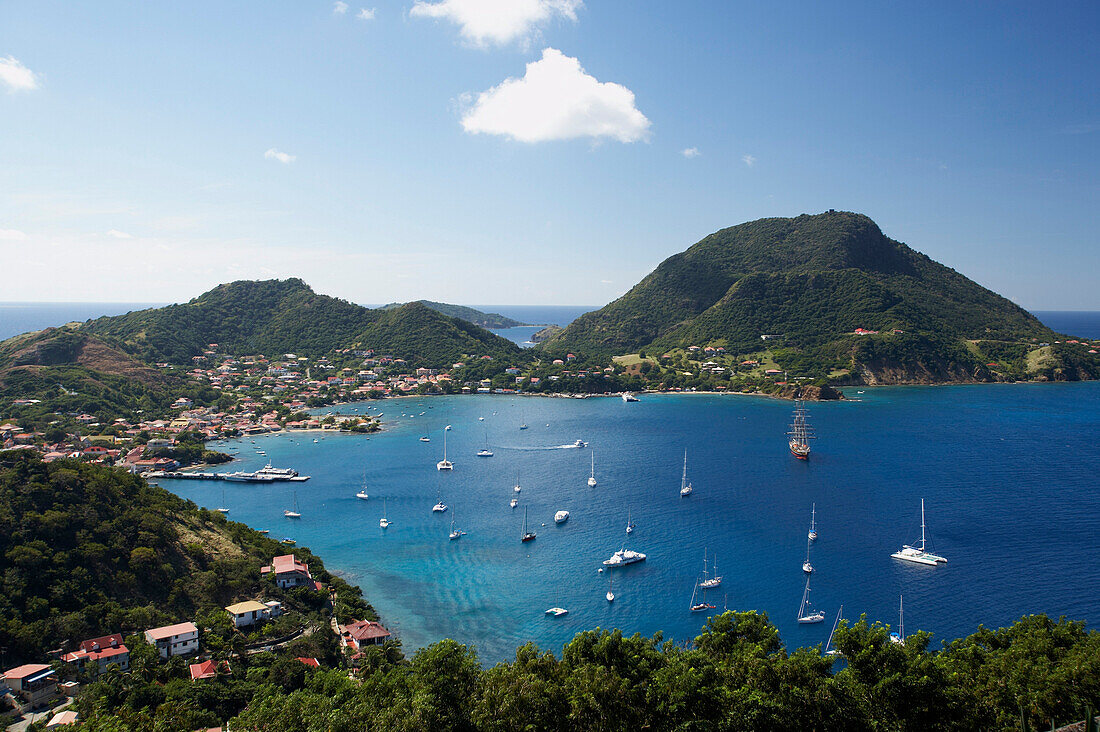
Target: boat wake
573 446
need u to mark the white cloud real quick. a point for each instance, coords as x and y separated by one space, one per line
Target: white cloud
282 157
119 234
557 100
690 152
12 235
339 7
365 14
16 76
749 160
605 282
483 22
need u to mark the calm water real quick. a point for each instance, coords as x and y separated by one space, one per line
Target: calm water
1083 323
21 317
1009 474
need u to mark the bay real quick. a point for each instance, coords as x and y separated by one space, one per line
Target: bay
1008 473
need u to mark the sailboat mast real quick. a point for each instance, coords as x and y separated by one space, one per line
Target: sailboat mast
684 478
922 524
901 616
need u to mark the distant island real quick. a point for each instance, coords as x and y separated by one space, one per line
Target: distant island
492 321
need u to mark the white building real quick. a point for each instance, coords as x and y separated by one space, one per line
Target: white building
174 640
247 613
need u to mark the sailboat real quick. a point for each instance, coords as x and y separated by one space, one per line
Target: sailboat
592 475
514 502
919 555
806 612
384 522
685 487
697 607
223 509
439 506
714 580
806 566
899 637
295 513
445 464
517 487
526 535
813 523
485 451
610 595
801 433
362 494
829 650
455 533
629 523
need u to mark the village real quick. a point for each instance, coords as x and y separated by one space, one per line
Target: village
46 688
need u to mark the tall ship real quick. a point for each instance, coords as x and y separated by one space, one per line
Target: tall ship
801 433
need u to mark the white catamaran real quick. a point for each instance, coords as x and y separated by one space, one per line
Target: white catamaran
445 464
919 555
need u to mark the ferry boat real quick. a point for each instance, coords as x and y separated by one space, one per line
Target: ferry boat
801 433
277 473
919 555
623 557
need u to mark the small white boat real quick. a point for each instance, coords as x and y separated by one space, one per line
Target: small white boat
362 495
561 517
610 579
455 533
439 507
628 397
919 555
523 426
899 637
629 524
685 487
557 612
829 650
486 452
479 419
425 438
806 613
295 514
514 502
592 475
578 443
813 523
223 510
384 522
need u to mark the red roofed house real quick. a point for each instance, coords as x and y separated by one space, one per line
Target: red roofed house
104 651
362 633
33 683
208 669
312 662
289 572
174 640
62 719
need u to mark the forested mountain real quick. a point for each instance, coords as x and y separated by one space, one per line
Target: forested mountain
272 317
809 279
471 315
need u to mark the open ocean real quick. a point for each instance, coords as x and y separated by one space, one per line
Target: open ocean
1008 473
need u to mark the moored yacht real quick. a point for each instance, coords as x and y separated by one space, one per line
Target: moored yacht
561 517
445 464
624 557
919 555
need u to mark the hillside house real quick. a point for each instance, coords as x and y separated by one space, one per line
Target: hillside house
102 652
32 684
180 639
288 571
249 612
360 633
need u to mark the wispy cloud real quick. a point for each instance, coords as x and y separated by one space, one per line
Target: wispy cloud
339 7
282 157
12 235
115 233
16 76
749 160
690 152
606 282
365 14
486 22
557 100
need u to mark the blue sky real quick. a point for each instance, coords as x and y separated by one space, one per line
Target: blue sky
151 150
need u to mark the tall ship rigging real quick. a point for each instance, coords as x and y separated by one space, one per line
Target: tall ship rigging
801 433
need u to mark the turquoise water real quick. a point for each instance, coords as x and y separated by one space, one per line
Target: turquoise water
1008 472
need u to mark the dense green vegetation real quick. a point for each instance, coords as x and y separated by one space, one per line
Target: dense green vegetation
89 550
811 280
470 315
273 317
736 675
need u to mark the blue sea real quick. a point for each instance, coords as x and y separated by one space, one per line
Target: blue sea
1008 474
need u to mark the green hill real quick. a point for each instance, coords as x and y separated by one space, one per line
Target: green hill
812 281
90 550
470 315
277 316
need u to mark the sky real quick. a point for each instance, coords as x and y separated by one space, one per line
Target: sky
542 152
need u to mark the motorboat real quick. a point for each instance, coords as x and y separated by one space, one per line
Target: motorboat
561 517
